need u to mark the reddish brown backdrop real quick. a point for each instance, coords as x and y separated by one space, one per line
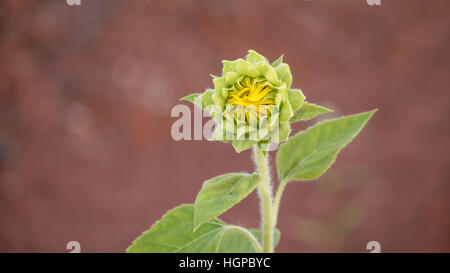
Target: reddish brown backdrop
86 92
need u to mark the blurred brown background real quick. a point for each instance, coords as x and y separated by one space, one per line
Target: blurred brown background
86 92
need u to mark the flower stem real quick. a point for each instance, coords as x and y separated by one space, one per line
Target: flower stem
265 195
276 201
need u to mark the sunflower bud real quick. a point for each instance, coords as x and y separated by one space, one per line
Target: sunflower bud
255 99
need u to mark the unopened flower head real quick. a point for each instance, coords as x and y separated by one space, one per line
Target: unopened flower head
252 101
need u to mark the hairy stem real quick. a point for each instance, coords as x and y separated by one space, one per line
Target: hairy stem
247 234
276 201
265 194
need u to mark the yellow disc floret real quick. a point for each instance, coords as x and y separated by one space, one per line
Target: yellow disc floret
251 96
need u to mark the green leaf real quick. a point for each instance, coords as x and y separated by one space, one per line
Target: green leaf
221 193
235 242
310 153
309 111
174 233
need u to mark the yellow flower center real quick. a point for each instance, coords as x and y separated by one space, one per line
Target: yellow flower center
251 96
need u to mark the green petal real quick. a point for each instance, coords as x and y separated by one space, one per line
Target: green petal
254 57
262 67
278 61
284 73
286 111
271 76
231 77
201 100
219 83
296 98
283 91
245 68
192 98
242 145
278 99
228 66
206 98
283 132
218 100
224 94
219 135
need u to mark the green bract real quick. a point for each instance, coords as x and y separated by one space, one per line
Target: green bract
252 101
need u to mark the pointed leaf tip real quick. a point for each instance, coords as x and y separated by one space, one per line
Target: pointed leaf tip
308 154
220 193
